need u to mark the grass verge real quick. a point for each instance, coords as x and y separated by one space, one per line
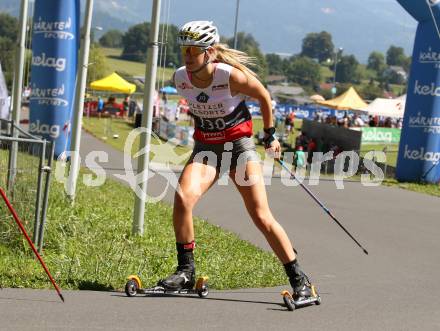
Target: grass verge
89 246
431 189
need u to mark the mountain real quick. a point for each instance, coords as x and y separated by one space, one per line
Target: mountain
360 27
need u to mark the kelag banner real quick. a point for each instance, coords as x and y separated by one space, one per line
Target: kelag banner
374 135
419 151
301 111
53 72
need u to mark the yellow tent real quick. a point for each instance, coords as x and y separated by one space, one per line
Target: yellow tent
113 83
349 100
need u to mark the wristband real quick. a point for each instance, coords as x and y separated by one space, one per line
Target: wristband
269 131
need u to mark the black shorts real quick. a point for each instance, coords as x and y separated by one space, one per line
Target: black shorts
225 157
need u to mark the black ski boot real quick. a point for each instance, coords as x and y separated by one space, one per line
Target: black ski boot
185 275
302 289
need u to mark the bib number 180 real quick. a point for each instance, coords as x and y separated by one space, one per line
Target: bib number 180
217 124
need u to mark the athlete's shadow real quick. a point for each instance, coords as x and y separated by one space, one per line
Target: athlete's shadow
189 296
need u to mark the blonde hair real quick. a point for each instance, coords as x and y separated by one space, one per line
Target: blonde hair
235 58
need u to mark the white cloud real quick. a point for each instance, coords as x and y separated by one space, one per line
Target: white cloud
328 10
117 6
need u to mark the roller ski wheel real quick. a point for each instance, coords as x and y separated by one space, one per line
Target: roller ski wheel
292 304
134 287
202 287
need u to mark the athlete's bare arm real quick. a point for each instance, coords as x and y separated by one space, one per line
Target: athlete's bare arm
252 87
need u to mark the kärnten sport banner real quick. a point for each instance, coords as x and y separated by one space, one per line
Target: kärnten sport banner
53 71
419 151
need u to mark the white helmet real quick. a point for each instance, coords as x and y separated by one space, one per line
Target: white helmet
198 33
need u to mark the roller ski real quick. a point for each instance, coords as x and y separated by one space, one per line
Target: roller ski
304 293
133 287
182 281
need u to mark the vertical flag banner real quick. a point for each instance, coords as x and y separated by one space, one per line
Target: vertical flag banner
419 151
55 41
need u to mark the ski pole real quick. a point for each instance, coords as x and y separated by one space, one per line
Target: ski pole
321 204
17 220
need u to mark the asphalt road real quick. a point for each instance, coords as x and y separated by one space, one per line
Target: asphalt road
395 287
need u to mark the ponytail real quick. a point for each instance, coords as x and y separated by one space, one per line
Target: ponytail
235 58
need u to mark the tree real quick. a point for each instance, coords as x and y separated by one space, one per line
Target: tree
371 91
97 68
135 42
304 71
391 76
275 65
376 62
407 64
8 36
318 46
346 71
395 56
247 43
112 39
8 26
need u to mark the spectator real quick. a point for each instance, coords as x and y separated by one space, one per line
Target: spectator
358 121
299 160
132 108
288 123
100 106
125 105
164 99
387 122
318 116
311 148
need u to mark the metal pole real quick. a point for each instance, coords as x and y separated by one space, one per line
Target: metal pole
48 170
340 49
334 76
147 117
81 79
18 82
236 24
39 187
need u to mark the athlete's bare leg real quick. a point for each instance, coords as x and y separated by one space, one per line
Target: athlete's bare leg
255 199
195 180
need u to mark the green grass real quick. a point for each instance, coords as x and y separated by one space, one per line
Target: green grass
391 154
99 126
326 73
431 189
90 246
24 194
130 67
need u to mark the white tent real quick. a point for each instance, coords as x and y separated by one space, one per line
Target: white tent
387 107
